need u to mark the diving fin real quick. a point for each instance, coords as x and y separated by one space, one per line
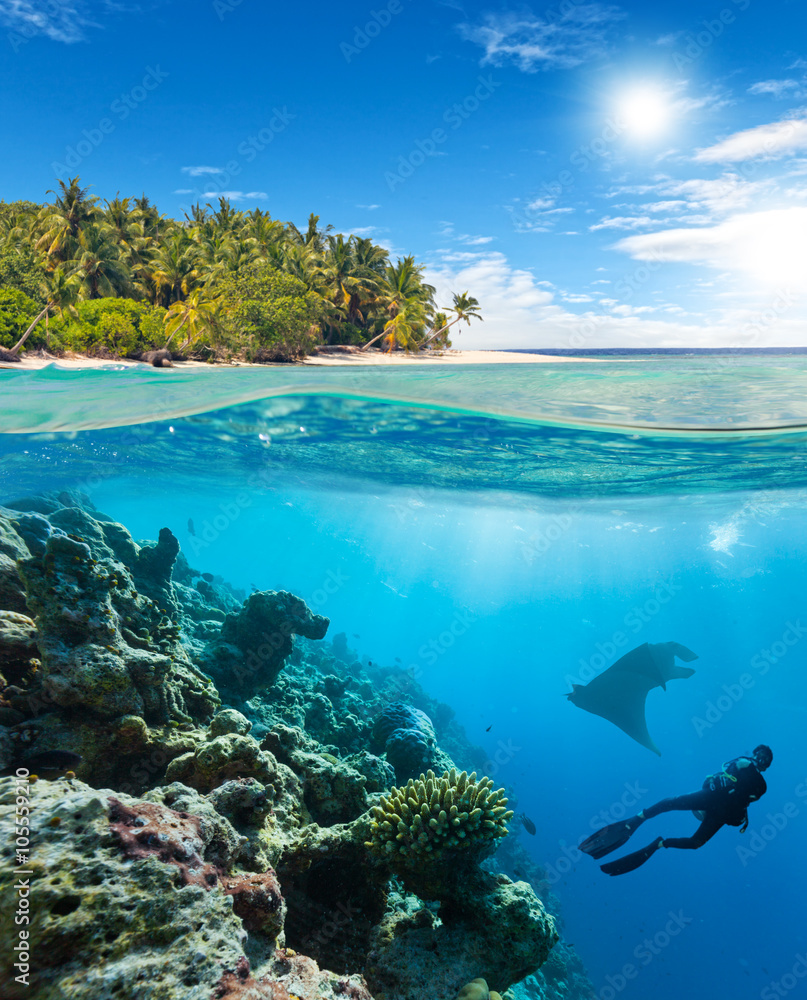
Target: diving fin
632 861
611 837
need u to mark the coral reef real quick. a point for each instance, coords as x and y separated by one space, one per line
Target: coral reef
105 648
477 990
220 850
254 643
132 900
436 823
500 931
333 789
407 737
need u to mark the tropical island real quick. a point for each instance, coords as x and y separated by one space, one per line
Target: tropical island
120 280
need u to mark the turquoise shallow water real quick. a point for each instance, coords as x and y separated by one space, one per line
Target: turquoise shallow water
562 514
663 426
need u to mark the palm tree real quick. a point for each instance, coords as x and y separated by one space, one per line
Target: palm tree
62 292
466 307
62 222
97 262
403 328
350 283
172 267
405 290
196 312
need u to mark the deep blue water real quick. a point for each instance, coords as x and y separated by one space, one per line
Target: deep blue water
505 534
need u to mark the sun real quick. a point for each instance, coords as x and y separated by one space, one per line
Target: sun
644 112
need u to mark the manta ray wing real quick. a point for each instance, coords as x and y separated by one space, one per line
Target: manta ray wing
619 694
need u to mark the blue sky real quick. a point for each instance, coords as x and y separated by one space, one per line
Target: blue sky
596 174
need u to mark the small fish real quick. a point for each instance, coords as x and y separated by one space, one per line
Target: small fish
397 659
254 587
356 635
191 529
369 663
208 577
528 824
489 728
47 761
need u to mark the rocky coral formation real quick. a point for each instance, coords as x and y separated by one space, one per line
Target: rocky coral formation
254 644
105 648
19 660
334 790
132 899
223 842
406 735
499 930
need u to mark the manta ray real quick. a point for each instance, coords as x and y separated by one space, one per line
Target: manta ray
619 693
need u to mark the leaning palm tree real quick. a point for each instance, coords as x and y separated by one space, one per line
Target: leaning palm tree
465 307
62 291
403 328
196 313
405 290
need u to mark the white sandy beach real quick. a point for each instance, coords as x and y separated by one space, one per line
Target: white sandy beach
326 360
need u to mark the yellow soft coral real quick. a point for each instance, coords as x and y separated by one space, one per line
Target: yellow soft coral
430 815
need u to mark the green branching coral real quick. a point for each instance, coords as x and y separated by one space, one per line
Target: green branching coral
430 815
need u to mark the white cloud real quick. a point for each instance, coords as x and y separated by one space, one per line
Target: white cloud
777 88
670 39
184 191
475 241
520 311
369 208
534 42
710 196
63 21
536 216
202 171
663 206
770 247
764 141
237 195
624 222
365 231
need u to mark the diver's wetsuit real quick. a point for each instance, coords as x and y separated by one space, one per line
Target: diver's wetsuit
723 800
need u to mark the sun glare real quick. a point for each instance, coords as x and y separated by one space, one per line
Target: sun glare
644 112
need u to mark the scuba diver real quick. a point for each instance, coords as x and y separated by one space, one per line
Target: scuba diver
723 800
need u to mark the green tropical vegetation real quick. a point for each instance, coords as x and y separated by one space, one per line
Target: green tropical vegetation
118 279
